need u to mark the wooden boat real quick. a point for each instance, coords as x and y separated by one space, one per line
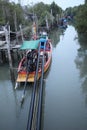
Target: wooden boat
27 65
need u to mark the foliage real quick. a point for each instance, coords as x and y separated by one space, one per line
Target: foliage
85 1
55 9
43 11
7 13
71 11
15 14
81 19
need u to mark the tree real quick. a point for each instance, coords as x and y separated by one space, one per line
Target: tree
85 1
7 13
41 10
81 19
55 9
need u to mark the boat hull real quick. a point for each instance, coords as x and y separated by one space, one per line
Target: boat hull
22 75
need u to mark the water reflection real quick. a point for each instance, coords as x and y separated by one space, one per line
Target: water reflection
55 36
63 101
81 63
4 75
44 96
82 39
12 114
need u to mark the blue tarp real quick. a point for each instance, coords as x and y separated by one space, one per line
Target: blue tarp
42 40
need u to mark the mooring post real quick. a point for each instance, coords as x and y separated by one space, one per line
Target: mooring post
15 22
7 35
21 31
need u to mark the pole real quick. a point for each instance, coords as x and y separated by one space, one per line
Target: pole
47 23
27 75
38 124
7 35
15 22
30 115
57 18
52 16
21 33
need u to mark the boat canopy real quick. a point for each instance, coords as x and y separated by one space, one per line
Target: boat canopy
43 40
43 36
33 44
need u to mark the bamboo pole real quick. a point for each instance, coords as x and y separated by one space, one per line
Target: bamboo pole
21 32
7 35
15 22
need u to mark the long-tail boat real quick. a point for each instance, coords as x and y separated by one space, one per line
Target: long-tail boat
28 64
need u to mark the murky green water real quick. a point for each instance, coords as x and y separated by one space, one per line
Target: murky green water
64 93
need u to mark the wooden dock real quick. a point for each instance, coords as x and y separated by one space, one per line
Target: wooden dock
11 49
5 47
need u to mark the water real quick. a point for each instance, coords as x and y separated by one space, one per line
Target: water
65 107
64 91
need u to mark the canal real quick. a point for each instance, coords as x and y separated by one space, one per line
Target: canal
64 92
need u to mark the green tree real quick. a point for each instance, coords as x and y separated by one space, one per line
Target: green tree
81 19
15 13
55 9
41 10
7 13
85 1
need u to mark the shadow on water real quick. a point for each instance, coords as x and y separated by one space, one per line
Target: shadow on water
55 36
44 95
81 63
4 75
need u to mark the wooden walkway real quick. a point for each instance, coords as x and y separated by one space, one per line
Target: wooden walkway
5 47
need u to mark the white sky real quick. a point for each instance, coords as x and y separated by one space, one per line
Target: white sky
62 3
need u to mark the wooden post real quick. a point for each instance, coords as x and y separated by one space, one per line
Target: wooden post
21 33
57 19
3 56
15 22
36 21
47 26
7 34
52 17
1 61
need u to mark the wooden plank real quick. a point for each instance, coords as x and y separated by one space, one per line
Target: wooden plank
5 47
